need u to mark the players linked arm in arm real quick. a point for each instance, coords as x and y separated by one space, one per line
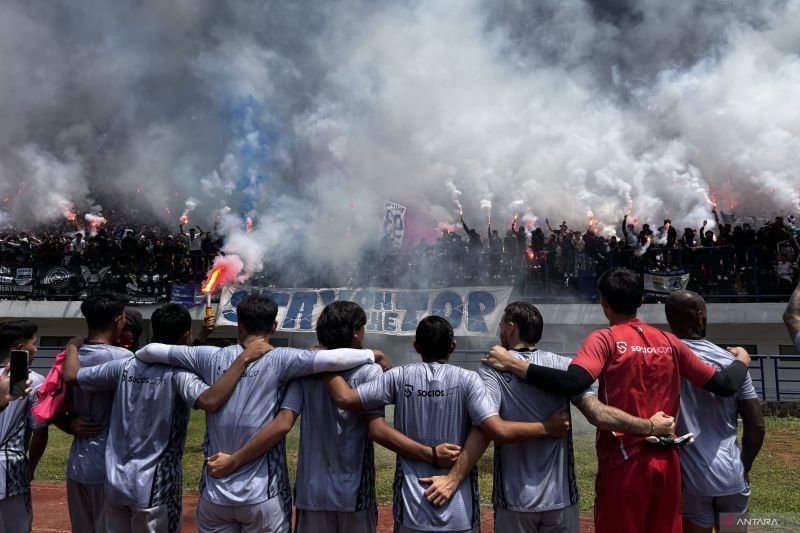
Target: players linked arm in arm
378 431
190 358
210 400
497 429
576 378
223 464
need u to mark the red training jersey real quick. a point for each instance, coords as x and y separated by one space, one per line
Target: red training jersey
639 368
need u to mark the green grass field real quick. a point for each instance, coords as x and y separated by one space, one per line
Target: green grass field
775 478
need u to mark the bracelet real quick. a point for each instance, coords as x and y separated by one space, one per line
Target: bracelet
652 428
435 461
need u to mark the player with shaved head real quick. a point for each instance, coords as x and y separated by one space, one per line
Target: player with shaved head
714 471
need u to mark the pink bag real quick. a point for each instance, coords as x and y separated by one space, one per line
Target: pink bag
52 394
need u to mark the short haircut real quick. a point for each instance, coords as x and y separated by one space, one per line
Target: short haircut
100 310
528 320
622 289
338 322
170 322
13 331
434 337
257 314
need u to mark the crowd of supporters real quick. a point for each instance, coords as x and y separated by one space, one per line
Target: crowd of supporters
736 257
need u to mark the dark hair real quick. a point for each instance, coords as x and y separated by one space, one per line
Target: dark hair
134 322
338 322
528 320
100 310
13 331
170 322
622 289
434 337
257 314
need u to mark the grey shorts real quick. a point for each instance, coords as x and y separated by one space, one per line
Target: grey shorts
16 515
265 517
704 511
335 522
87 506
402 529
566 520
132 520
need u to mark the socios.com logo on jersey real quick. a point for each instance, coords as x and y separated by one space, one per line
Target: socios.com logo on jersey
622 346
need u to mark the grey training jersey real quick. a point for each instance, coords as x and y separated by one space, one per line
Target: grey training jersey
16 425
435 403
147 431
335 465
712 466
87 457
539 475
253 404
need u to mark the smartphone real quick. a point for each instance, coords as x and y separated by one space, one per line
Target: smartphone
19 372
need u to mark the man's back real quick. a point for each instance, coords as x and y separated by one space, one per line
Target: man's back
335 465
712 466
639 369
86 463
253 404
535 476
434 403
147 430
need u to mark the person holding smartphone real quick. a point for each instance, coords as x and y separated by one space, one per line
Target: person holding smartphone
22 438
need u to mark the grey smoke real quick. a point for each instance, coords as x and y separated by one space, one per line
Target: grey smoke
294 112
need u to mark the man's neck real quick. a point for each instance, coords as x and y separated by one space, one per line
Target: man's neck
443 359
100 337
523 347
255 337
690 336
621 319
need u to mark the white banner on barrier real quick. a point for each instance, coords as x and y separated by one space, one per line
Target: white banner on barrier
470 310
665 282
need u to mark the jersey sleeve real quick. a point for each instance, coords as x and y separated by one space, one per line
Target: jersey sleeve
33 399
367 374
747 391
690 366
101 377
594 353
198 359
381 391
478 405
189 386
293 363
491 380
293 401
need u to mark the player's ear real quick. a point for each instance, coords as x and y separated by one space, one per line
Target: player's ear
274 327
453 346
416 348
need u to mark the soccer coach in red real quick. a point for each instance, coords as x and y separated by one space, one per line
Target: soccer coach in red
638 486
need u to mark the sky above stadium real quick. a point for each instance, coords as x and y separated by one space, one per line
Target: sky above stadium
308 115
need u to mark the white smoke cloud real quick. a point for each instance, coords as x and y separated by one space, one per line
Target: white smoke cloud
290 113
